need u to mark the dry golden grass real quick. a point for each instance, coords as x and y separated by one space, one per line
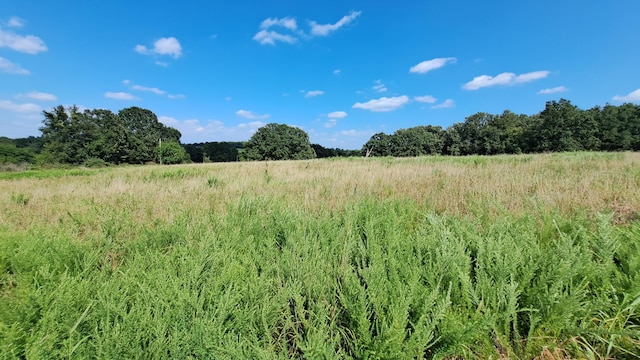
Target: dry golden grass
591 182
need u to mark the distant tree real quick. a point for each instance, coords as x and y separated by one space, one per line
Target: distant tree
144 133
171 152
278 142
417 141
323 152
73 137
379 144
10 154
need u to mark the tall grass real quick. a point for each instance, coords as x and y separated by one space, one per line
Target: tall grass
512 257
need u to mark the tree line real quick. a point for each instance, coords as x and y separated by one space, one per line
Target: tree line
561 126
135 136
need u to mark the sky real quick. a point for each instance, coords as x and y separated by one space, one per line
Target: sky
340 70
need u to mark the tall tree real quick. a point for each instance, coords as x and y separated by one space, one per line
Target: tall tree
279 142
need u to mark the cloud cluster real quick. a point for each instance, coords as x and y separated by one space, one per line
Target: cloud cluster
449 103
19 108
505 79
28 44
425 99
212 130
379 86
164 46
268 36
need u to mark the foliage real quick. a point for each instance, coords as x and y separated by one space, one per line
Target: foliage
561 126
10 154
200 261
171 152
214 151
323 152
279 142
73 137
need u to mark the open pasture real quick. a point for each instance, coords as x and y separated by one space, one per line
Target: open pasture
433 257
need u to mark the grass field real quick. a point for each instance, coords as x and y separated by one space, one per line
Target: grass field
532 256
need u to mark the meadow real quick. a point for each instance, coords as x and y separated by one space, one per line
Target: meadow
515 256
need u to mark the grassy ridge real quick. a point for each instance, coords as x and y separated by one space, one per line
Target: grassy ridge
517 256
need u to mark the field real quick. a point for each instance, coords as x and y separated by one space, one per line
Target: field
528 256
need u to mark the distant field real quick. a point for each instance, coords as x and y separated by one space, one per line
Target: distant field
436 257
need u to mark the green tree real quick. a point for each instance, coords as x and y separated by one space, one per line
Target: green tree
144 131
379 144
171 152
278 142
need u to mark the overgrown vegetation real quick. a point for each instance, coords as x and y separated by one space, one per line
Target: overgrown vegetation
465 257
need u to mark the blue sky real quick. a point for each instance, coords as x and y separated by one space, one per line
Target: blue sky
340 70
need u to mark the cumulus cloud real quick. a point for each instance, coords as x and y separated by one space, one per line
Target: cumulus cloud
433 64
119 96
326 29
37 95
251 115
314 93
271 37
553 90
505 78
445 104
19 108
7 66
163 46
633 97
383 104
337 115
29 44
425 99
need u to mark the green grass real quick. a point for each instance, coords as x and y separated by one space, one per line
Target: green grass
255 275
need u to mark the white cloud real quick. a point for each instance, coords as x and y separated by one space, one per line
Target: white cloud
383 104
289 23
445 104
29 44
325 29
314 93
379 86
119 96
337 115
428 65
176 96
633 97
163 46
425 99
337 72
271 37
7 66
19 108
251 115
331 123
148 89
553 90
15 22
40 96
505 78
162 63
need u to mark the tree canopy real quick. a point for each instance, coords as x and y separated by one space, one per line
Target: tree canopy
278 142
130 136
561 126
